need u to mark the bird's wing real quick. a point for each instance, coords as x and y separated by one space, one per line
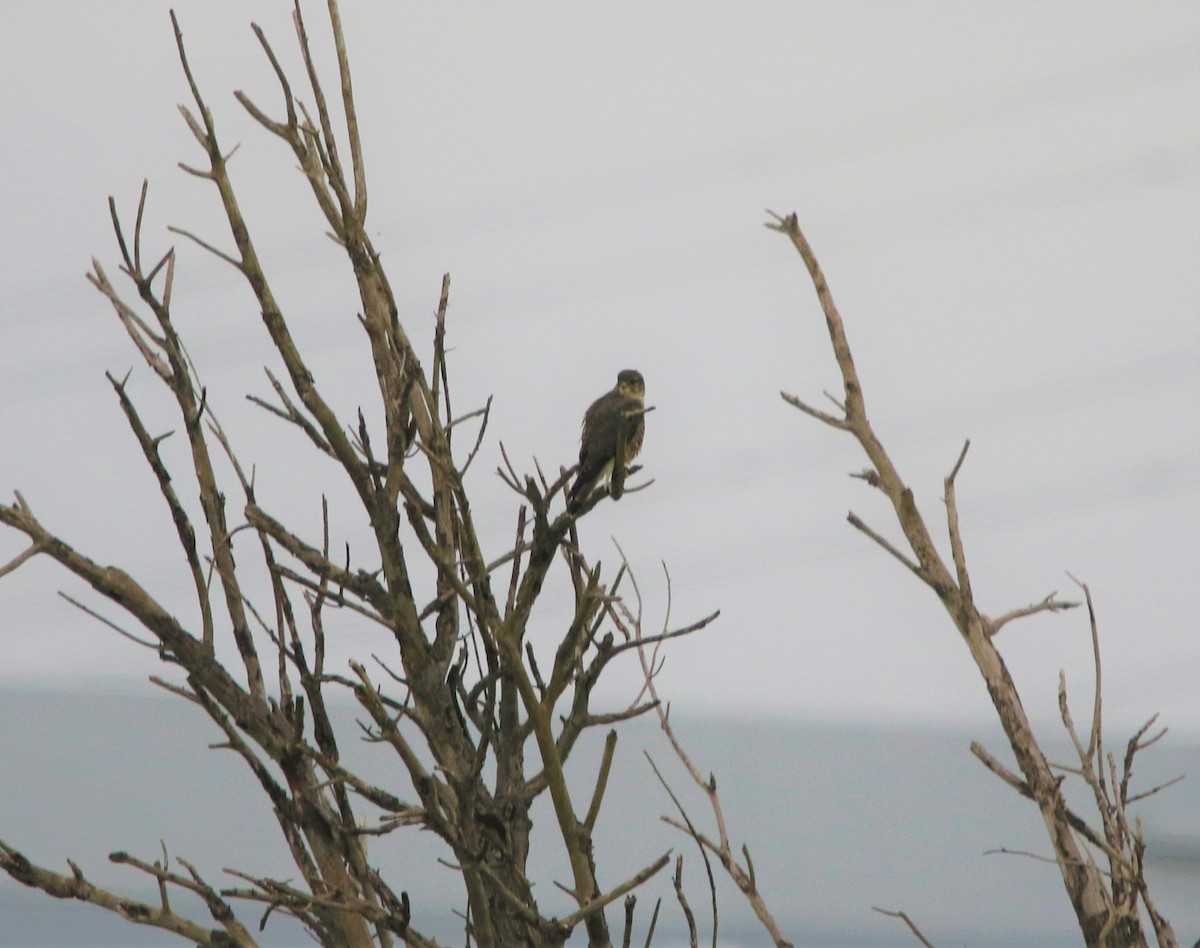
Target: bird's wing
598 443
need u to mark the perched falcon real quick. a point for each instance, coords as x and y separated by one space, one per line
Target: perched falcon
613 415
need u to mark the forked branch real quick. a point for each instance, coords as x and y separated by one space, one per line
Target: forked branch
1099 910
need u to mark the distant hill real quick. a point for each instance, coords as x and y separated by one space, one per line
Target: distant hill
836 818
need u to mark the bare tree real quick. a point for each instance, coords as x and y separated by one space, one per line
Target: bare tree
467 694
1108 912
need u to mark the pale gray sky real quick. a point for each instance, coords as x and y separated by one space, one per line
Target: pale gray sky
1006 200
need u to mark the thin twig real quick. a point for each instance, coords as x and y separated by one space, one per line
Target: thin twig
907 921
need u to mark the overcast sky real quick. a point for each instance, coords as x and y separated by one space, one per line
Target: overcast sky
1006 201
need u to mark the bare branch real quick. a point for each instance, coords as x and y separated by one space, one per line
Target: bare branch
1036 857
702 843
596 904
1094 742
833 422
907 921
956 542
683 904
1049 604
205 245
741 877
858 524
137 639
76 886
28 553
610 746
1153 790
1000 770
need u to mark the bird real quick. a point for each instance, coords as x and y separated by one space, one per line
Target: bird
615 418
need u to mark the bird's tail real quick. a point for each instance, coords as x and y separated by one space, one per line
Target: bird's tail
579 491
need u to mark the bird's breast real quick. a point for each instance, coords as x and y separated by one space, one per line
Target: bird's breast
633 443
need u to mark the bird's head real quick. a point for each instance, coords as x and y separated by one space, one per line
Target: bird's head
631 384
